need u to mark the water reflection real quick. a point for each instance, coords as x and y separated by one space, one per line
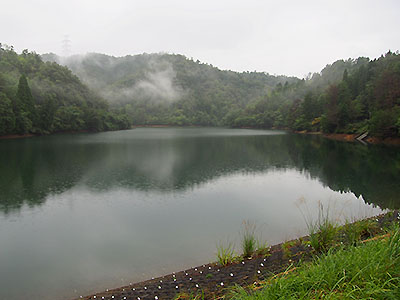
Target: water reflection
112 208
170 160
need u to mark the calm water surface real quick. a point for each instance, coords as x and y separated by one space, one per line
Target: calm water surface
82 213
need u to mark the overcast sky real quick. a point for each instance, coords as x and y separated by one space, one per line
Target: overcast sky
278 37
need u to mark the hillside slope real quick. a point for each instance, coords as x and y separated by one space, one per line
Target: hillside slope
169 88
43 97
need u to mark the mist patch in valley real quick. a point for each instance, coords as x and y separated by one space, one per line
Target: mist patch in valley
121 80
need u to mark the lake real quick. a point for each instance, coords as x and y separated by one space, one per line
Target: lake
85 212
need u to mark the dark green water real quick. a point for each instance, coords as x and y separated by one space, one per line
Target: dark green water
82 213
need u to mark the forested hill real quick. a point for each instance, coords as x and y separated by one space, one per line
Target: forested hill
366 99
38 97
170 88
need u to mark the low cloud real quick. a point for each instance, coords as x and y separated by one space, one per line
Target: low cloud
156 86
122 80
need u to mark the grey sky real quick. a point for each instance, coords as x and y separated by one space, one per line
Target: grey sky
279 37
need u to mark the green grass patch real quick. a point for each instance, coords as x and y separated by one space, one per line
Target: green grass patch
251 245
354 232
286 246
369 270
225 254
323 231
249 240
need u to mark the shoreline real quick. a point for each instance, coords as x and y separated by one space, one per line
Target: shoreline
211 280
346 137
16 136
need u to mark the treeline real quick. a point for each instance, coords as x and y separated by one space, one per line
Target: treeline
43 97
366 99
348 96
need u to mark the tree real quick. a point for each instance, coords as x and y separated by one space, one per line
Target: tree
330 119
69 118
7 118
24 107
46 112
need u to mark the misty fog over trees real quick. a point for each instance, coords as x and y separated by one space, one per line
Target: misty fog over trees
96 92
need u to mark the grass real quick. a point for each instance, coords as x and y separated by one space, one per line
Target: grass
251 245
323 231
225 254
354 232
286 248
249 240
369 270
189 296
262 248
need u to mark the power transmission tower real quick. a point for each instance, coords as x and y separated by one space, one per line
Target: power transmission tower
66 46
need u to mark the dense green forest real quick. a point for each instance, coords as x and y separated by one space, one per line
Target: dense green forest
41 98
170 89
348 96
97 92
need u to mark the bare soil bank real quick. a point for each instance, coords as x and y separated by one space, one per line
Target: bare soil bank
15 136
28 135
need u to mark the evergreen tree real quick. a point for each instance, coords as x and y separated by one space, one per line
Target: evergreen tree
7 118
24 107
25 97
